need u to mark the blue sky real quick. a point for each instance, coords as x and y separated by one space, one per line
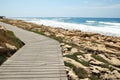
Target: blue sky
60 8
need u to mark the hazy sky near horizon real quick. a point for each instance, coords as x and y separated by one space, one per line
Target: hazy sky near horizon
60 8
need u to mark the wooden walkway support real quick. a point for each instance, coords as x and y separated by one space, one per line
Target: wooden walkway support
39 59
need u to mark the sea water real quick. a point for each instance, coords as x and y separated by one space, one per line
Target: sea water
105 26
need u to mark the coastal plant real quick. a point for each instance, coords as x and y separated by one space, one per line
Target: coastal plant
105 65
74 57
60 39
14 40
78 53
94 77
72 44
2 59
85 63
9 38
81 73
99 58
38 32
93 41
68 64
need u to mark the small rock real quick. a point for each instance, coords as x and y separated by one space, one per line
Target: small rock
60 35
47 33
2 31
116 73
62 44
9 46
74 50
68 46
95 62
2 28
81 51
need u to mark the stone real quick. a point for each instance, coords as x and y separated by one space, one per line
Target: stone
9 46
115 61
94 70
2 31
2 28
60 35
74 50
116 73
68 46
47 33
62 44
65 53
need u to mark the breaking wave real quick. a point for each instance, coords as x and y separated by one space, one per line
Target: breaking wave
111 29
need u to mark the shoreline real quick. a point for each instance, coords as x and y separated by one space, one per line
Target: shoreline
101 27
90 52
37 21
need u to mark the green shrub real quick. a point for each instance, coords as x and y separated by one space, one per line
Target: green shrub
72 44
78 53
60 39
85 63
81 73
94 77
11 39
68 64
99 58
105 65
2 59
38 32
74 57
14 40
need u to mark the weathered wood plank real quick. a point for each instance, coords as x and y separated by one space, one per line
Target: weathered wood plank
39 59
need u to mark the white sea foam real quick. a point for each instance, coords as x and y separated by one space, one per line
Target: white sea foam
109 23
90 21
112 30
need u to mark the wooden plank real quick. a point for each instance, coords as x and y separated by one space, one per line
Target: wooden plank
39 59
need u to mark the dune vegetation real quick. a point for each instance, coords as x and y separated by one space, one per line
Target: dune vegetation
9 44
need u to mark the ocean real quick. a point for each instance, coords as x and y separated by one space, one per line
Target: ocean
105 26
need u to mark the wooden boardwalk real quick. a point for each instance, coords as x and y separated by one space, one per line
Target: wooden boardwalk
39 59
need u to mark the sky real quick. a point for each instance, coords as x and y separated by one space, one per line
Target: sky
60 8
